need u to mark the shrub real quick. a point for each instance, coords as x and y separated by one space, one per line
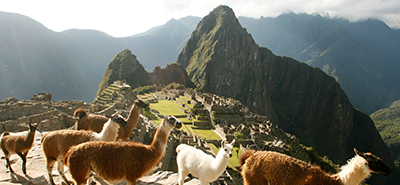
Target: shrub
238 136
144 89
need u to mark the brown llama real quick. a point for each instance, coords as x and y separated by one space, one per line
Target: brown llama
18 143
55 144
117 161
95 122
273 168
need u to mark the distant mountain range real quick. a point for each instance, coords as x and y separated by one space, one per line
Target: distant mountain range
70 64
364 57
222 57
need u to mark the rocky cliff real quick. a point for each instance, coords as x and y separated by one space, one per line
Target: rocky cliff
125 67
222 58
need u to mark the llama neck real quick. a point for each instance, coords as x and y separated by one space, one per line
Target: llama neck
109 131
160 139
220 161
133 117
354 172
30 137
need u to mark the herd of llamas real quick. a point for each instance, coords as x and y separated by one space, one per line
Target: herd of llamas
100 145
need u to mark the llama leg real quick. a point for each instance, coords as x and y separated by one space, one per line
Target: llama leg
80 175
60 169
23 157
50 164
90 179
8 165
182 175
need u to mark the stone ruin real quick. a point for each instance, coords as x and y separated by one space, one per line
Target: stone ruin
229 117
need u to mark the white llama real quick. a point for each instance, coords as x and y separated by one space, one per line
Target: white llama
199 164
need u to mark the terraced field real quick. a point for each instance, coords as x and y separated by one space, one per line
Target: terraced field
168 107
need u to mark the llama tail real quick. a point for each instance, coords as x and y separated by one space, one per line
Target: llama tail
180 147
2 135
245 155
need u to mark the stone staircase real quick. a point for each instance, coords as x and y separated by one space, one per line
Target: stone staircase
109 96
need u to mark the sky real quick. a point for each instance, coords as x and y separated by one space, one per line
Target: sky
121 18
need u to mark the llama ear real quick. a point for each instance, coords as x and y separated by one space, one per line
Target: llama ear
359 153
233 142
160 116
223 142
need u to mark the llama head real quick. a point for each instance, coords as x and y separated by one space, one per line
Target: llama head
33 128
374 163
172 122
141 104
227 148
116 118
80 113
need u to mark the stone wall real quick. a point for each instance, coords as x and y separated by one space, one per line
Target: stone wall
15 115
229 116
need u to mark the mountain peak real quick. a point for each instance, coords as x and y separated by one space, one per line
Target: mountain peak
219 29
223 59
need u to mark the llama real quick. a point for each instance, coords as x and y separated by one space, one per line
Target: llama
19 143
117 161
95 122
199 164
266 167
56 143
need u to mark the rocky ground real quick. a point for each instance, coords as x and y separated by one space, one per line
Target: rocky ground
37 173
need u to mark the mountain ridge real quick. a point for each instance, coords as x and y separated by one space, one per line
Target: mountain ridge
302 100
355 54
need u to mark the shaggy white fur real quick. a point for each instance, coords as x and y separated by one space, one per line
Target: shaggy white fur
199 164
355 171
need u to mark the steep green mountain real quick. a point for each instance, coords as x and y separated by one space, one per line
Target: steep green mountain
222 58
70 64
125 67
387 122
363 57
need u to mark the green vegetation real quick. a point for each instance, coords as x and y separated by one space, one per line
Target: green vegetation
238 136
167 107
174 85
144 89
323 162
387 123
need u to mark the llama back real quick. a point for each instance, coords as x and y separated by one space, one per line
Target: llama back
191 158
181 147
98 155
68 137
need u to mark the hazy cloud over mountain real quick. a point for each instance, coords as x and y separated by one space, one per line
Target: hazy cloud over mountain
123 17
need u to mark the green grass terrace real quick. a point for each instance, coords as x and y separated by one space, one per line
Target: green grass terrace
168 107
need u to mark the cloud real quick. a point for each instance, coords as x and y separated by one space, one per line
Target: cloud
127 17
